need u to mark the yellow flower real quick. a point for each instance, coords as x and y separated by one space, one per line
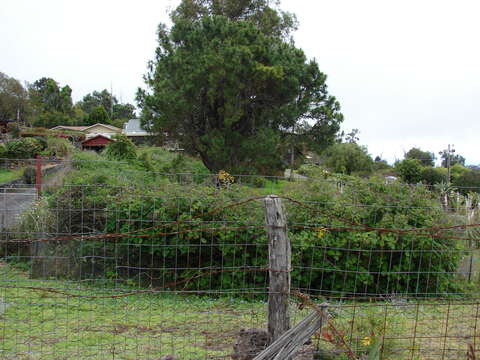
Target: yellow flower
321 232
367 341
225 178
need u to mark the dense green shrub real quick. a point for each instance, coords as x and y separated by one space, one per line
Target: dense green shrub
145 160
468 182
23 148
380 164
58 147
121 149
410 170
432 176
361 260
352 258
347 158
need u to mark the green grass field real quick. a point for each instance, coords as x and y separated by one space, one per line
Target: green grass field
45 325
9 175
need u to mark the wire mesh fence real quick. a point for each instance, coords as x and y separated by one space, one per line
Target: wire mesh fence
129 272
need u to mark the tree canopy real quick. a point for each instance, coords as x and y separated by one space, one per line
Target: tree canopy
410 170
47 96
52 105
114 111
347 158
454 159
14 103
98 115
426 158
228 85
264 14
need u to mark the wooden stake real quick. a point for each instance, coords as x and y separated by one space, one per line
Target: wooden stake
279 252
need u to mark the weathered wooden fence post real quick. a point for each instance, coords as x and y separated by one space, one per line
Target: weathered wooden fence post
279 253
38 175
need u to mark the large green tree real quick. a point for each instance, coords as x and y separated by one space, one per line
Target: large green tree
97 116
52 105
231 86
426 158
410 170
116 111
14 104
96 99
347 158
454 159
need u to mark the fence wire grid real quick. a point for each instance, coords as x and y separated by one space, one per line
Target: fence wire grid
116 272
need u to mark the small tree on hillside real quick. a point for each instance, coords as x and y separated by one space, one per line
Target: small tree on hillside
426 158
409 170
347 158
454 159
467 182
121 149
98 116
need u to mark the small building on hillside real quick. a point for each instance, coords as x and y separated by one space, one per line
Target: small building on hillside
96 143
92 130
69 128
134 131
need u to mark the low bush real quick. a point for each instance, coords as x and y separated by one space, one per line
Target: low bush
121 149
58 147
358 261
23 148
409 170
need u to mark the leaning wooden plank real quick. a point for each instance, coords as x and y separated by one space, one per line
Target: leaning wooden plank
287 345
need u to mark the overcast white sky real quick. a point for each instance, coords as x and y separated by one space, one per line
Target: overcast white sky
405 71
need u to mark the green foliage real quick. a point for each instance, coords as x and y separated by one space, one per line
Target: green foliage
96 99
7 175
121 149
374 353
58 147
454 159
23 148
426 158
467 181
458 170
47 96
52 105
29 175
347 158
49 119
164 161
230 86
98 116
410 170
380 164
14 103
123 111
262 13
330 251
145 160
3 151
314 171
115 111
14 130
432 176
